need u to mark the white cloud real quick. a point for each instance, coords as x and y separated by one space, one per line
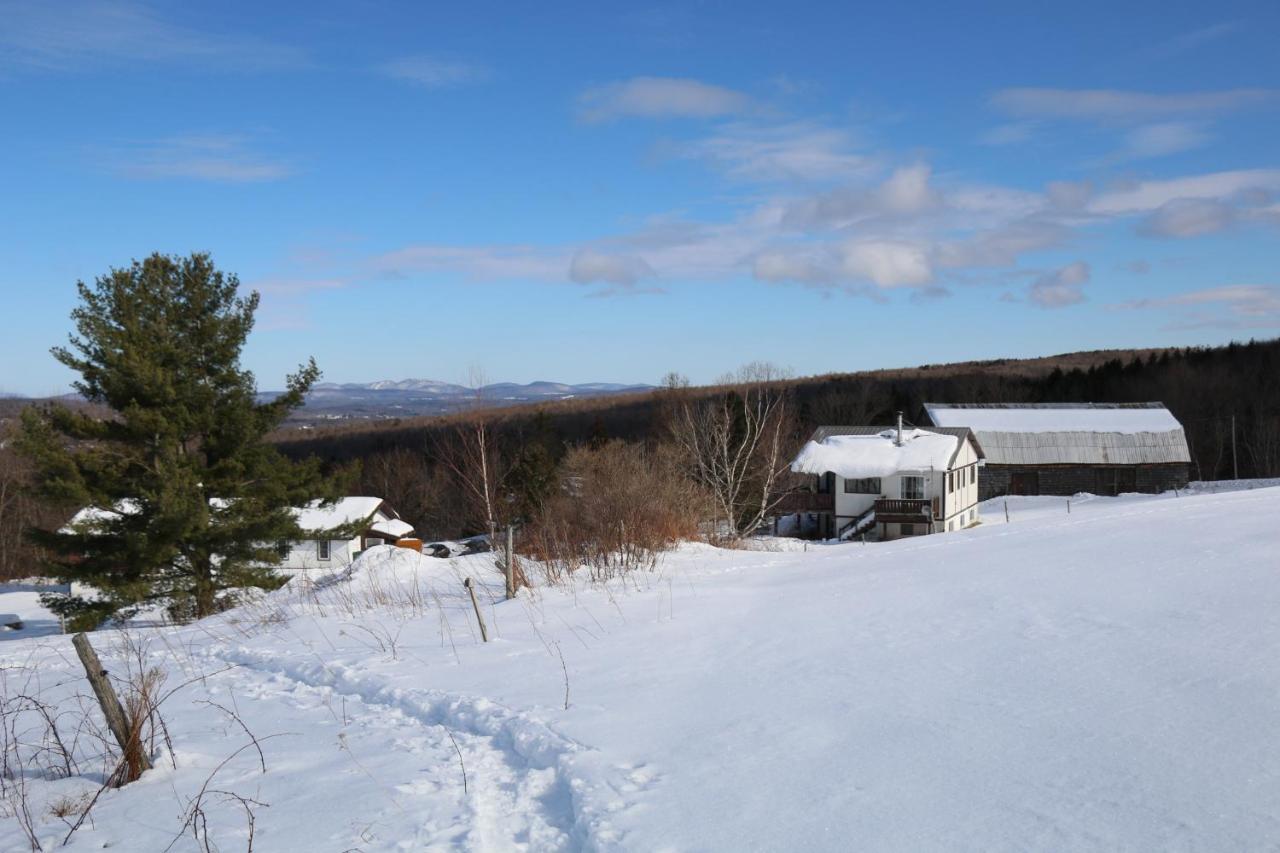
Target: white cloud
433 73
1189 41
1158 140
906 192
1123 106
1160 123
888 263
1188 217
589 267
217 158
796 151
478 263
659 97
1009 134
65 36
1060 288
1146 196
1235 306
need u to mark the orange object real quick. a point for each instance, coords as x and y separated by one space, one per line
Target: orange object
411 544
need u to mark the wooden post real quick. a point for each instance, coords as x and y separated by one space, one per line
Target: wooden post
1235 463
1006 512
484 632
510 567
110 702
1068 506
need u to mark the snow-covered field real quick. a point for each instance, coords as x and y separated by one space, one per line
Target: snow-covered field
1103 679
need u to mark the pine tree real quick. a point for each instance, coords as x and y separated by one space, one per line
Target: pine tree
191 502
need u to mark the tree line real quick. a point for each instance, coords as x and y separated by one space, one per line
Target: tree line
1226 397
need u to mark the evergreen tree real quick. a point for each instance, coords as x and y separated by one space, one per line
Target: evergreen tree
190 502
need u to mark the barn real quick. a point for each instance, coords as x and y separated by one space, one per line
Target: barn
1065 448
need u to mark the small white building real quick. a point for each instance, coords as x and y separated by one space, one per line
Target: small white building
371 520
889 482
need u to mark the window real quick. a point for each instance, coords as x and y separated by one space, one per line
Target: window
826 483
913 488
951 481
867 486
322 549
373 541
908 529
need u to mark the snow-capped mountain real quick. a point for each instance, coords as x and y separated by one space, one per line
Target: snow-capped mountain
399 398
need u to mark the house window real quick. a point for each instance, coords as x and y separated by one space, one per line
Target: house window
826 483
951 481
908 529
322 549
913 488
373 541
866 486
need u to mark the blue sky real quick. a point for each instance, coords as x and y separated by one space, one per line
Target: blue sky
606 192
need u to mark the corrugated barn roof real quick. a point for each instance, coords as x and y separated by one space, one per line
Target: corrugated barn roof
1070 433
1084 448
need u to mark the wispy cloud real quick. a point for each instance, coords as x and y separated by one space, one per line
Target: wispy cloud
1149 124
218 158
1163 138
66 36
477 263
1123 106
1193 205
1235 306
794 151
1189 41
433 72
1060 288
659 97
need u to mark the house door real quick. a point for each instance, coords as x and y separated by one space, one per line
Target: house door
1024 483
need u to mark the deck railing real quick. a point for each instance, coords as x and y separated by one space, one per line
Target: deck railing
902 506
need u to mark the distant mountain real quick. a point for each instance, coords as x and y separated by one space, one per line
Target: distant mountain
401 398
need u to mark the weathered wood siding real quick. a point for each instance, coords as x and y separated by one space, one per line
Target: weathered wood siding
1071 479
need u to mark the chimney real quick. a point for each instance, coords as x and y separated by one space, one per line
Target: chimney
899 441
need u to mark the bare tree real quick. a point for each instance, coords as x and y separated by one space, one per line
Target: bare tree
738 445
472 455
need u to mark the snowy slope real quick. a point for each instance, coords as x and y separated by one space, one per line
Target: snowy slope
1103 679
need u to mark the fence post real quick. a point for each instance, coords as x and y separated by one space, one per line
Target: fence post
509 569
1068 506
130 742
484 632
1006 512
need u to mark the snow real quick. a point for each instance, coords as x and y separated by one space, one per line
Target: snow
22 600
393 527
1055 419
859 456
1099 679
344 511
313 516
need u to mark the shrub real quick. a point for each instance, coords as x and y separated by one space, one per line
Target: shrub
618 506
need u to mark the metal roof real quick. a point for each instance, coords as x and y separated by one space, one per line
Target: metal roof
1112 433
824 432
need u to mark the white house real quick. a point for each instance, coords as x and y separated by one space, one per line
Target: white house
374 523
371 522
889 482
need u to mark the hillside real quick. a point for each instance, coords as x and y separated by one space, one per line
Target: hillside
1095 680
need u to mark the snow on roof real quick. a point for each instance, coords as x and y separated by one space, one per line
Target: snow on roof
392 527
877 454
343 511
1125 418
313 516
